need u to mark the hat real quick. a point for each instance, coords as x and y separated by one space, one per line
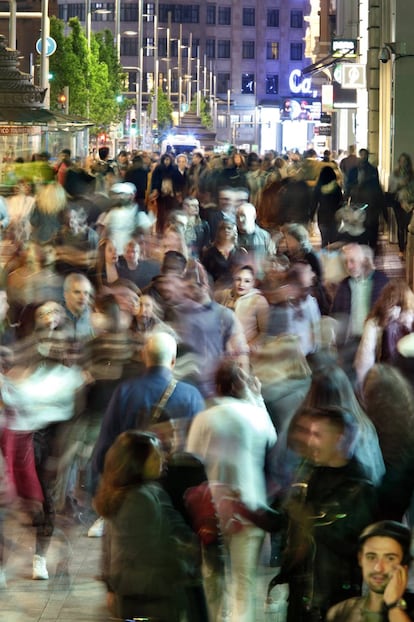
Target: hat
389 529
123 187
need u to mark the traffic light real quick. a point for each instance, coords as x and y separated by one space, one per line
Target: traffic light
119 99
133 127
62 100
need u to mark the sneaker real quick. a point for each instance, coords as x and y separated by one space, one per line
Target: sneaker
39 568
271 606
97 530
3 582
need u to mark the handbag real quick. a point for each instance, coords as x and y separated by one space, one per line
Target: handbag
351 219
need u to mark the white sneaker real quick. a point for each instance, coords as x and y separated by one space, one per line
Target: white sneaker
39 567
97 530
271 606
3 582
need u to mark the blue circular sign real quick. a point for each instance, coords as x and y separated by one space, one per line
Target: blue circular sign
51 46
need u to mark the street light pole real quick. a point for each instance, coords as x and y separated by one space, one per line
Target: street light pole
12 24
140 66
180 79
169 56
156 66
198 83
44 59
189 69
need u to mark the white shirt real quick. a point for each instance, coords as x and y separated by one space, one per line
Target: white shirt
232 438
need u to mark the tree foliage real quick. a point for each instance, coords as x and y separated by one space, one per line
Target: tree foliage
205 115
164 113
94 76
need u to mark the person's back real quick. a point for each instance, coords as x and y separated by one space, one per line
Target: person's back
149 552
133 403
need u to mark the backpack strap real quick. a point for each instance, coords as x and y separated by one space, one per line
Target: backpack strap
158 408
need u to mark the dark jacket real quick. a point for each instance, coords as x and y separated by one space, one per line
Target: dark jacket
320 562
342 300
132 402
149 555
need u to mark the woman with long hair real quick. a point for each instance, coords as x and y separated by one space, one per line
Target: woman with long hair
106 268
391 318
50 201
166 183
148 549
249 305
326 200
223 255
196 231
401 188
331 387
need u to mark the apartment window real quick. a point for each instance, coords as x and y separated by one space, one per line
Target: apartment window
224 15
223 82
296 18
296 51
148 82
174 48
180 13
272 50
72 10
149 12
162 46
247 83
129 46
149 46
248 49
223 49
273 18
249 16
221 121
211 14
211 48
129 13
132 81
272 84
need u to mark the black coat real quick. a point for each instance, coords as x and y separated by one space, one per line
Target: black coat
320 561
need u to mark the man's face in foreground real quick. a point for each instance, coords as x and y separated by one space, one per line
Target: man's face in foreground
379 558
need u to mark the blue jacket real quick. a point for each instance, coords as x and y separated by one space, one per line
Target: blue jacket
132 402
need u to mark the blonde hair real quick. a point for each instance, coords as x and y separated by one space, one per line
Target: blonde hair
51 198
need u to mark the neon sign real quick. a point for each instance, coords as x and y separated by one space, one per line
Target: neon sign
300 85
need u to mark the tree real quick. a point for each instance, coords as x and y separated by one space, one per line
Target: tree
164 113
205 115
94 76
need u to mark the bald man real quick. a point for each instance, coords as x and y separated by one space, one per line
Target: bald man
257 241
133 403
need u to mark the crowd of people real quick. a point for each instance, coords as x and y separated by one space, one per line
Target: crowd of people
181 373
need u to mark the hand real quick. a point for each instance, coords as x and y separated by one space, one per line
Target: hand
397 585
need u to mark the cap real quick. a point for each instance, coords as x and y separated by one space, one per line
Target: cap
123 187
389 529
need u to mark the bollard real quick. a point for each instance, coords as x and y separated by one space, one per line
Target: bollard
392 227
409 255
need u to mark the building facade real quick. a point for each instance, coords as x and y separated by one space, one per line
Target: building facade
246 58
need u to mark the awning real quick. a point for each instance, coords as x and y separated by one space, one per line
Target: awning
41 116
324 63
